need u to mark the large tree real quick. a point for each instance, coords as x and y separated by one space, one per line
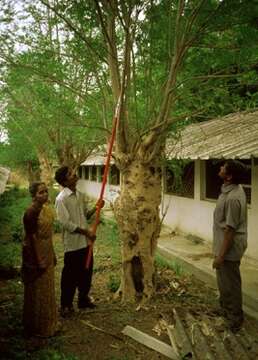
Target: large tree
45 95
168 61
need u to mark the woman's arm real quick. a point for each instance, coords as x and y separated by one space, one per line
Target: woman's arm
30 221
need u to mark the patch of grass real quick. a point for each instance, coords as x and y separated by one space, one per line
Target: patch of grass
10 255
13 204
52 354
163 263
113 357
107 245
113 283
12 330
108 232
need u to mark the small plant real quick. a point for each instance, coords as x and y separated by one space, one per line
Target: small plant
13 204
163 263
108 242
57 227
10 257
113 283
51 354
177 268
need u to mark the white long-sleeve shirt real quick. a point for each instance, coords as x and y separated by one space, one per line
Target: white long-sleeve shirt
71 210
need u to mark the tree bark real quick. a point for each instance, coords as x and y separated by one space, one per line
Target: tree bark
137 214
32 173
46 169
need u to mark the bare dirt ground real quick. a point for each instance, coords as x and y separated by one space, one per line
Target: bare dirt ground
97 334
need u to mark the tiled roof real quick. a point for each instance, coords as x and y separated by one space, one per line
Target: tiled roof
97 159
229 137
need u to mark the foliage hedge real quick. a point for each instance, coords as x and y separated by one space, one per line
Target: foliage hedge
12 206
13 203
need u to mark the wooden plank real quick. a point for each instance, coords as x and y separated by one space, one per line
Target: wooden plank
183 343
170 331
150 342
198 340
236 346
216 340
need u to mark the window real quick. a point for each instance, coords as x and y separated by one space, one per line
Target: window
179 178
114 175
213 181
80 172
247 181
94 173
87 172
102 169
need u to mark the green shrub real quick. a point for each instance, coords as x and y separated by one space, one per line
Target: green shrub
163 263
10 255
13 204
57 227
113 283
51 354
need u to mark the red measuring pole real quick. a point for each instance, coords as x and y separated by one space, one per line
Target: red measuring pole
104 181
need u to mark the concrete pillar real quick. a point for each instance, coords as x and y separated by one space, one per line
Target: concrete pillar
199 180
197 177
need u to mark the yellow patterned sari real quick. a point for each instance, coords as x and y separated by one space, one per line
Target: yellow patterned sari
39 311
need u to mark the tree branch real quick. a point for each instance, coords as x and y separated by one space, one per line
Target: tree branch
72 27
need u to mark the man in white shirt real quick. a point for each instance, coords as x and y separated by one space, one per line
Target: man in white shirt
72 213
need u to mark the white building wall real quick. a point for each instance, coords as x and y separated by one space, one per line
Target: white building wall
93 188
191 216
195 216
252 249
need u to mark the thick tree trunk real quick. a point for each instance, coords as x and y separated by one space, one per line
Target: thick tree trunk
33 174
137 215
46 170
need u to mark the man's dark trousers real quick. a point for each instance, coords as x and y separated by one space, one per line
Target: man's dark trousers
229 284
75 275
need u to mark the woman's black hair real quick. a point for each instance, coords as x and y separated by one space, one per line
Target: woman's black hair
33 188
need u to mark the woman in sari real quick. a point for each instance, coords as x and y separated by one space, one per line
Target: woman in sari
38 261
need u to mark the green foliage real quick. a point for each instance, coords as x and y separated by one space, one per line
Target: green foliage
177 168
113 283
163 263
108 241
10 256
13 203
59 96
52 354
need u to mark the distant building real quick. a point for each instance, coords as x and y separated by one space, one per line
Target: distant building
203 146
91 173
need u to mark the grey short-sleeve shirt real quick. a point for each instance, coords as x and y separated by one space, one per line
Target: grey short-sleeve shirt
231 210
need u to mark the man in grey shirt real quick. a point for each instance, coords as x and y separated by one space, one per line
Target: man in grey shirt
72 213
230 241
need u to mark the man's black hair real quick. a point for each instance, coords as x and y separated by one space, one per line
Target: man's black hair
60 175
237 170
